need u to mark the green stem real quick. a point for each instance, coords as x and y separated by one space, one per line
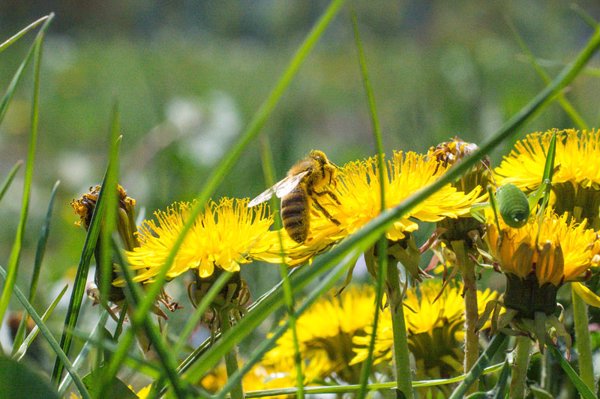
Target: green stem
231 363
401 354
519 367
467 269
582 340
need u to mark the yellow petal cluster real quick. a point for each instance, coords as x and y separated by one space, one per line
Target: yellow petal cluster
434 327
577 160
225 235
325 333
358 189
556 250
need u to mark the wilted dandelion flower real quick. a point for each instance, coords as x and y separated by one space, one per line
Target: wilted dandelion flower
325 333
225 235
434 329
576 179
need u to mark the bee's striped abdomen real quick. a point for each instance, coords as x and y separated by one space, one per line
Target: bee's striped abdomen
295 214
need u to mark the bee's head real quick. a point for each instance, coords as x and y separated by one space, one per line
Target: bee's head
321 158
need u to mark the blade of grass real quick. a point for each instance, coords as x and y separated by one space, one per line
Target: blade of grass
21 349
132 361
110 215
269 173
401 349
15 253
199 351
224 167
37 264
502 384
79 284
134 295
355 388
193 321
195 318
562 100
372 230
9 178
66 382
326 283
579 384
13 39
49 337
10 91
359 243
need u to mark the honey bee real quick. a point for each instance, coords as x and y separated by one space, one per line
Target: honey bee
305 182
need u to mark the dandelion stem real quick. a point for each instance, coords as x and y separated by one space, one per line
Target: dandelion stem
582 340
467 269
401 354
519 367
231 363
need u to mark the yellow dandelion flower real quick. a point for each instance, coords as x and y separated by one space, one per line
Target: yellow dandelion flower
556 251
576 180
358 190
407 173
434 329
325 333
225 235
258 378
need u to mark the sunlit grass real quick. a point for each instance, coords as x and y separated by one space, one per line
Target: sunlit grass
107 363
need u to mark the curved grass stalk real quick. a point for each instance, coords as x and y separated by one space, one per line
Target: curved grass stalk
355 388
219 173
369 234
15 253
14 38
267 161
325 284
49 337
384 273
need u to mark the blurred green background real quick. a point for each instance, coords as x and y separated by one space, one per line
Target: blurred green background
188 76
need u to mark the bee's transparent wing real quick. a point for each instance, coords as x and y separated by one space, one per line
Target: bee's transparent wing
280 189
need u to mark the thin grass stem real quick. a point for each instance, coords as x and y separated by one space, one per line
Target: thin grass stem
583 341
519 367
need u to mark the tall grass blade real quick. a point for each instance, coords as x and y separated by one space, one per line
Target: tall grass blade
579 384
81 278
561 98
110 215
9 178
21 349
225 165
66 382
382 243
14 38
479 366
355 388
15 254
49 337
268 170
324 285
354 245
37 264
10 91
134 295
367 236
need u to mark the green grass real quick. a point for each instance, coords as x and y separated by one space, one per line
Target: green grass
269 105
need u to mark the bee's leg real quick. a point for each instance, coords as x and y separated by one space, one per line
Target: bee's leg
324 212
331 194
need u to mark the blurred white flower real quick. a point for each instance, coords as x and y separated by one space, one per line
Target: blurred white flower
206 126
